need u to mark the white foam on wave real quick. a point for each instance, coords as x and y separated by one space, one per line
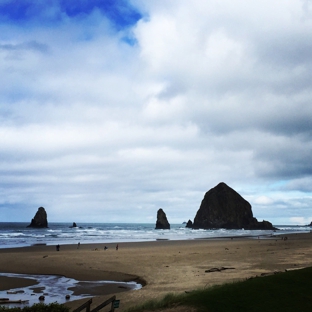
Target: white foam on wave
17 235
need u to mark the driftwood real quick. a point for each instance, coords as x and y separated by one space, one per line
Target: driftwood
7 300
15 291
218 269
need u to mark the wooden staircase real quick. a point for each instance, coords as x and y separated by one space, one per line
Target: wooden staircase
87 305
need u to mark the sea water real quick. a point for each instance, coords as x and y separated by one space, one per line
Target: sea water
17 234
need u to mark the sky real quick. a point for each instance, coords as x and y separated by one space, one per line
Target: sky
112 109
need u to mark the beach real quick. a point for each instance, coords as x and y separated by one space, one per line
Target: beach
161 266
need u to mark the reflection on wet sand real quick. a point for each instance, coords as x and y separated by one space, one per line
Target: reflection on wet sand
60 289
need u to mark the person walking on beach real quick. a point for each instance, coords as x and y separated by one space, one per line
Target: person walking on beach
117 247
78 245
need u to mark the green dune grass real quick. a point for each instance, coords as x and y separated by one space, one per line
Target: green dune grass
39 307
289 291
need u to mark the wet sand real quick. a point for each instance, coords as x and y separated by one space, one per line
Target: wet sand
7 283
161 266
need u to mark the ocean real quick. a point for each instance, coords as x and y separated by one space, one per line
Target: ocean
17 234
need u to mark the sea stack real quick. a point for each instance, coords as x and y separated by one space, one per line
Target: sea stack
162 222
189 224
40 220
222 207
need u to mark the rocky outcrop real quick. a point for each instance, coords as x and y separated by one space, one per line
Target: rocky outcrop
222 207
189 224
162 222
40 220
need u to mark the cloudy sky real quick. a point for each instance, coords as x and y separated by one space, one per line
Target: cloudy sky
112 109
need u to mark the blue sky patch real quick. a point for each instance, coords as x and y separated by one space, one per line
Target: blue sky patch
119 12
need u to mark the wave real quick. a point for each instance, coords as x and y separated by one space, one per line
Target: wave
18 235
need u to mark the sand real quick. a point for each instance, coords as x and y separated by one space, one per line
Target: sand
161 266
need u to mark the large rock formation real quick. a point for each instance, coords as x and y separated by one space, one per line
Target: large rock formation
222 207
162 222
40 220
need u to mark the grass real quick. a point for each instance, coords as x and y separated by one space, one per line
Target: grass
287 292
39 307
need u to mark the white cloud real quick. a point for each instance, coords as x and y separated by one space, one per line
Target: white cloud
301 220
210 92
263 200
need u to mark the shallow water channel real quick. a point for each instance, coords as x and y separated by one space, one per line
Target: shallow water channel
54 289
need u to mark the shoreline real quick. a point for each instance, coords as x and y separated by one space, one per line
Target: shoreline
162 266
89 233
113 243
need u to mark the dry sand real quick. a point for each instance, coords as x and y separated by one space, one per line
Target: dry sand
164 266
